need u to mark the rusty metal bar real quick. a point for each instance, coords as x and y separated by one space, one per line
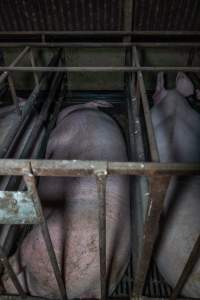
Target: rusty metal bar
194 255
26 297
157 189
128 14
31 185
32 59
147 114
99 44
29 111
101 177
72 168
14 95
14 63
11 273
100 33
101 69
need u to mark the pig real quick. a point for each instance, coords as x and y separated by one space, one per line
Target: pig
71 208
177 132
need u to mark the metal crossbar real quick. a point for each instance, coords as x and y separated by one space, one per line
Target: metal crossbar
159 173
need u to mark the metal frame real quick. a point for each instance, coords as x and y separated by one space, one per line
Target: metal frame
159 173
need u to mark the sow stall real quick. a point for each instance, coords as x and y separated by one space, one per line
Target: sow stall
49 95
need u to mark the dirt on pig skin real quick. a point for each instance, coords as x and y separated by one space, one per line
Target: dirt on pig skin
82 132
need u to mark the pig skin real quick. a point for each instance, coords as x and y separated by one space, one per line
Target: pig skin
177 131
82 132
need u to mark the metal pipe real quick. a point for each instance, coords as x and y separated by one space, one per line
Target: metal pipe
31 185
14 95
26 297
99 44
101 69
147 114
101 189
19 167
194 255
157 188
14 63
32 59
4 260
28 112
99 33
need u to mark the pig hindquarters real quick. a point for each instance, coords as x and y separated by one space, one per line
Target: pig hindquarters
84 133
177 130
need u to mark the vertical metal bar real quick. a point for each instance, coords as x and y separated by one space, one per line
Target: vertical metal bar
101 189
194 255
13 94
32 59
157 189
11 273
127 18
147 114
31 185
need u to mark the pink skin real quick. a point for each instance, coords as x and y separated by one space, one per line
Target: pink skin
82 132
177 133
183 85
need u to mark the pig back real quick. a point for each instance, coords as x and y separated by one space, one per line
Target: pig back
177 134
87 135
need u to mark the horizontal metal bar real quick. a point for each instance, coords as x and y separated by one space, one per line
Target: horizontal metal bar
26 297
100 33
101 69
88 168
99 45
17 208
15 62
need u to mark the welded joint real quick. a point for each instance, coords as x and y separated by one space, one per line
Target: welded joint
29 179
101 172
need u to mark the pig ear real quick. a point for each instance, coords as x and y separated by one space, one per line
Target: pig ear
184 85
160 91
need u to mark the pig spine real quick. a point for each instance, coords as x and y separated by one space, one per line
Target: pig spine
84 133
177 133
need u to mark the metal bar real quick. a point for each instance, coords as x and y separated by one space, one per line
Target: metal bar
128 14
101 69
19 167
98 44
32 59
194 255
101 177
14 63
147 114
100 33
157 189
31 185
14 95
15 297
29 111
11 273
